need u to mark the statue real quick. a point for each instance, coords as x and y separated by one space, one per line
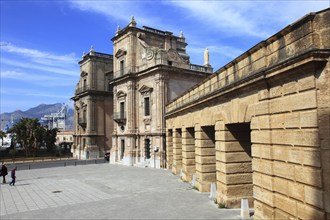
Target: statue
133 22
117 31
206 57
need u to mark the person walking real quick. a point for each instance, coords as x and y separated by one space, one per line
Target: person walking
13 176
3 172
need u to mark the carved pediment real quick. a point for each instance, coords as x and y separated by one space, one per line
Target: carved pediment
80 104
121 94
83 73
120 52
145 89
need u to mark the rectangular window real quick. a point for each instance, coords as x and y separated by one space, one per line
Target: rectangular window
84 84
122 149
121 67
147 148
146 106
84 118
122 110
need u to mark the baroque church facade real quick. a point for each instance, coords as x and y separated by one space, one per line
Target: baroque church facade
93 108
120 99
151 68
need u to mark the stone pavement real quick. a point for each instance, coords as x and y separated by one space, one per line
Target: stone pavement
104 191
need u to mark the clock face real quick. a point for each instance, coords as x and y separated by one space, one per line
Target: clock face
150 54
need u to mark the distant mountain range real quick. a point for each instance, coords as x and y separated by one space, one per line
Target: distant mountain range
8 119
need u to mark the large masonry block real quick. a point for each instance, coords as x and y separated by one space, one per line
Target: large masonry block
177 151
205 152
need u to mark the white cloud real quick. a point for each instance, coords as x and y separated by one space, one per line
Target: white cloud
146 13
39 55
36 66
41 80
14 57
34 93
253 18
119 10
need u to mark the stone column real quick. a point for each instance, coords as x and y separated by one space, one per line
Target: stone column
177 151
188 153
205 158
234 165
131 124
169 149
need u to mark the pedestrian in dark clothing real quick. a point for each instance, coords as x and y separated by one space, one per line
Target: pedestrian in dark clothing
13 176
3 172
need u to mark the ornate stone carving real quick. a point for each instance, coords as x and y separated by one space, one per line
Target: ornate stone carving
121 95
83 73
120 52
145 90
150 54
147 121
172 54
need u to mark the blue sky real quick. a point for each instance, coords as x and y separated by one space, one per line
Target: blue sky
42 41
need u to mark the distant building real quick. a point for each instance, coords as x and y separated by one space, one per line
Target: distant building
64 137
151 68
6 141
93 106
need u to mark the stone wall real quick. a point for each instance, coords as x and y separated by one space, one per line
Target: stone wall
270 112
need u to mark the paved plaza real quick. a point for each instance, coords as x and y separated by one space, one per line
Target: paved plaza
104 191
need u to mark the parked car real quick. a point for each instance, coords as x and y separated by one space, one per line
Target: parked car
107 156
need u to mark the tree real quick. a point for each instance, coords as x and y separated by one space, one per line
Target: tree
50 139
29 134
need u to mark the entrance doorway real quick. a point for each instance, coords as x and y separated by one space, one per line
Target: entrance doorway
147 148
122 148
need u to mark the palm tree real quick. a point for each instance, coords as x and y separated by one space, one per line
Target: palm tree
27 134
31 135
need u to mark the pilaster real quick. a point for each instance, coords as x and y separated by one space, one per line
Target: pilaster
177 151
205 157
188 153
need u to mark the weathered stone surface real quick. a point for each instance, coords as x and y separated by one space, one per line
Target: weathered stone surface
313 196
308 175
190 154
264 196
286 204
306 83
205 151
245 167
205 168
232 146
188 141
308 212
233 157
206 160
188 161
204 143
